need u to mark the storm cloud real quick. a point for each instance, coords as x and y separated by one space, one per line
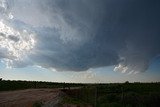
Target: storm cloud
76 35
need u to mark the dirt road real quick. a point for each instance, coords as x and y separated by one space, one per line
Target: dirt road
29 97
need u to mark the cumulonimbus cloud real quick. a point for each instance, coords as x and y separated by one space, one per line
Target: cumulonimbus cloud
69 35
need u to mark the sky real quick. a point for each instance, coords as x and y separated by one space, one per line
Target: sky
82 41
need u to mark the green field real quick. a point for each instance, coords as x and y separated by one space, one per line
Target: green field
98 95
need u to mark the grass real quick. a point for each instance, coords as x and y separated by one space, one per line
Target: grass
38 104
73 101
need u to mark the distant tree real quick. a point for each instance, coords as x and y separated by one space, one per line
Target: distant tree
126 82
0 79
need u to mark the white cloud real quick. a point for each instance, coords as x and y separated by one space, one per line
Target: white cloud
15 44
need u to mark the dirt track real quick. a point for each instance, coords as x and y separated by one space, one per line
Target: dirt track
28 97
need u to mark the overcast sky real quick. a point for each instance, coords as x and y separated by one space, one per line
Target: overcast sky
80 40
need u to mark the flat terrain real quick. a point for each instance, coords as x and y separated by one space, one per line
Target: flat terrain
29 97
49 94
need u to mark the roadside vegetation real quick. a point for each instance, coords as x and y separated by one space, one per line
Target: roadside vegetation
118 94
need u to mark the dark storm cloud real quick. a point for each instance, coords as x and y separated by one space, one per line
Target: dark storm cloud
77 35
